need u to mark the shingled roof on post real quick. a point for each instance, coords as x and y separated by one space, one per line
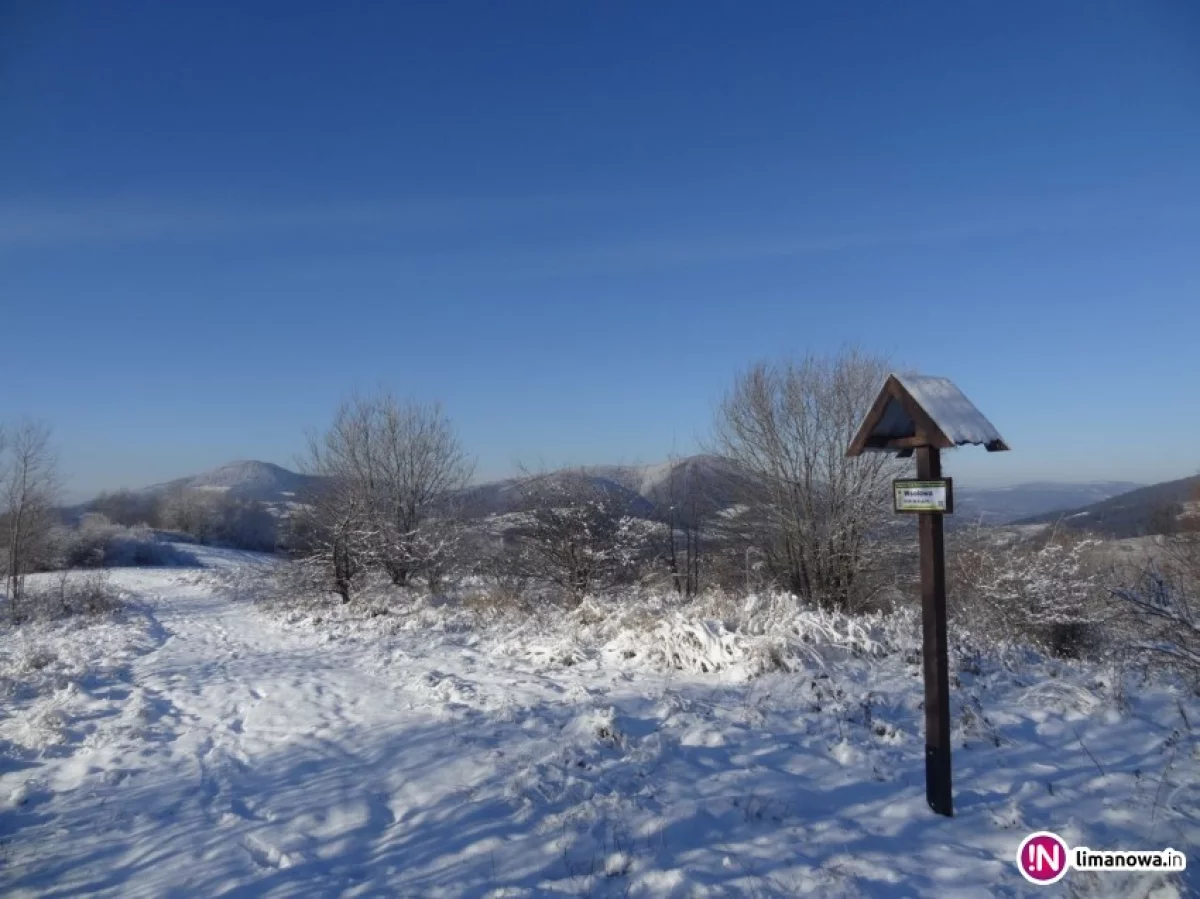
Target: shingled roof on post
920 410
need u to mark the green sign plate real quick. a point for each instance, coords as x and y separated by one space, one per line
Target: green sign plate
923 496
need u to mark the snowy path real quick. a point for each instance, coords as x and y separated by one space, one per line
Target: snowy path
242 758
249 754
241 761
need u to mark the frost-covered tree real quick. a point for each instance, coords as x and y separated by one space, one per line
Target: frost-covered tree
811 510
333 537
680 511
213 516
1047 593
188 511
29 487
397 467
1163 603
419 466
128 508
577 533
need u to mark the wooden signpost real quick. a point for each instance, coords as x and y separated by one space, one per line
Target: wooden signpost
924 415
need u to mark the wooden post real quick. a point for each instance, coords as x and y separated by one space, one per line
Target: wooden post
923 415
933 624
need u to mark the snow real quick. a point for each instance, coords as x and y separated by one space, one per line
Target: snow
200 745
956 415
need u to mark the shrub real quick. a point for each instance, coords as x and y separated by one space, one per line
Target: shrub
69 594
1043 593
1162 603
97 543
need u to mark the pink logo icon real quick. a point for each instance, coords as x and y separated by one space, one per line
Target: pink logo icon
1042 857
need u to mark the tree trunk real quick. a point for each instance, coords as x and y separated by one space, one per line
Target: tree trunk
15 582
341 570
696 565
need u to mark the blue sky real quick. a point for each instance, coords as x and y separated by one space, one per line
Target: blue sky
573 223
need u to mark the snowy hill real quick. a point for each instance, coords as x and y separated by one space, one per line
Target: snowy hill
497 498
1004 505
708 482
248 479
1147 510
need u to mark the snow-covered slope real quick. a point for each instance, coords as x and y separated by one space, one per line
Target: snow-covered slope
248 479
499 498
708 480
1147 510
207 748
1004 505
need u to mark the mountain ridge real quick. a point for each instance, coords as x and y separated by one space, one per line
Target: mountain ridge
1007 505
1151 509
705 479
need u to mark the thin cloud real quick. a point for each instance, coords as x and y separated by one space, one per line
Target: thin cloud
650 255
117 222
660 253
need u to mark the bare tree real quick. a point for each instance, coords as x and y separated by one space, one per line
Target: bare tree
680 508
29 487
577 533
1163 604
334 537
396 467
210 516
188 511
129 508
422 467
786 427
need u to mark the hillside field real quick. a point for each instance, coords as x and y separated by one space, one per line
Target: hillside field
200 744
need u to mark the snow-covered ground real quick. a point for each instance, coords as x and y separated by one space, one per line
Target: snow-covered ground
202 746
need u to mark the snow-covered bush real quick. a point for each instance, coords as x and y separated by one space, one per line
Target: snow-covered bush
1046 594
1163 606
805 638
206 516
218 518
578 535
98 543
70 593
502 591
715 633
129 507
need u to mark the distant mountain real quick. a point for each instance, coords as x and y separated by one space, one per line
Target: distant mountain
1148 510
706 483
251 480
710 484
1005 505
509 495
